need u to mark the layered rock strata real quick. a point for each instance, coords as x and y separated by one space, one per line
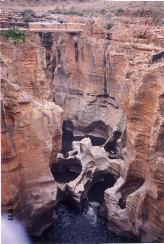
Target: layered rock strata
137 201
120 67
31 132
105 82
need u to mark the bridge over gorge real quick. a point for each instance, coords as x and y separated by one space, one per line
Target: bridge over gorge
68 27
45 26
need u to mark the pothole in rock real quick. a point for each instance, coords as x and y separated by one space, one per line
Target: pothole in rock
97 129
67 137
66 170
101 181
111 149
67 140
96 141
93 131
132 184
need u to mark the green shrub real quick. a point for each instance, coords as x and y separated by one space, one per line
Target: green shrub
157 17
14 34
28 15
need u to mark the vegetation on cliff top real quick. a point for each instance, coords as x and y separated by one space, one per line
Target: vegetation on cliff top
14 34
28 15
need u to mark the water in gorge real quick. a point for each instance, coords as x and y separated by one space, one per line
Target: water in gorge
73 226
84 225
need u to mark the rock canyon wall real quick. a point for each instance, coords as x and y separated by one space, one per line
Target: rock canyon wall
107 87
31 133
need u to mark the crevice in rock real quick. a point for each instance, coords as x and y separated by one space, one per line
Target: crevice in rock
67 137
96 131
101 181
160 140
51 62
76 51
46 42
112 146
66 170
124 139
131 184
46 39
106 69
113 150
58 56
161 104
75 43
3 120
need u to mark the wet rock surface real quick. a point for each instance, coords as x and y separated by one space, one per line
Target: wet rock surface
73 226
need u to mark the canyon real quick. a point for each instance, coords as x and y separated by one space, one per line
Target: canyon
82 116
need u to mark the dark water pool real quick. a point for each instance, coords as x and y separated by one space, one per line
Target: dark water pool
74 227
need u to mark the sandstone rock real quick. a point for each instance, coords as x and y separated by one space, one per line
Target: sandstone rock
79 74
144 126
31 131
9 16
25 66
138 87
95 165
103 85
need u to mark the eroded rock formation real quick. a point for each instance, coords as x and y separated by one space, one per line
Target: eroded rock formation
108 88
90 165
138 86
31 132
139 196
